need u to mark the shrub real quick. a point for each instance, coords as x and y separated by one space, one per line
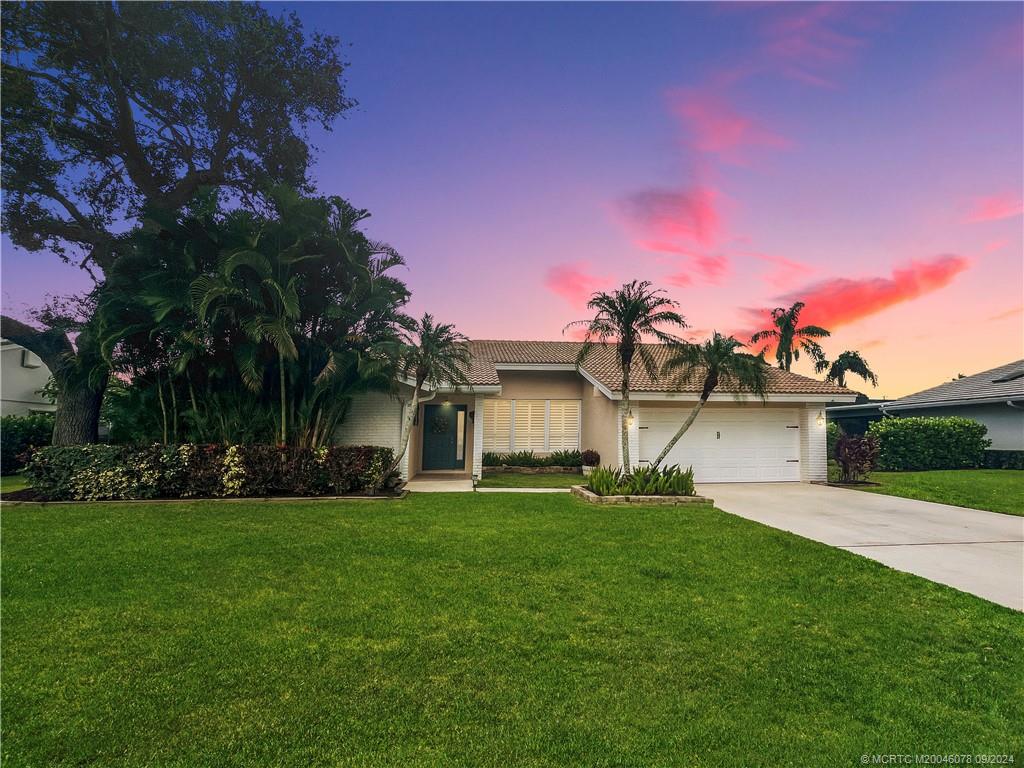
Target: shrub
604 481
832 434
20 434
929 442
97 472
856 455
564 459
591 458
659 481
492 459
1004 459
530 459
642 481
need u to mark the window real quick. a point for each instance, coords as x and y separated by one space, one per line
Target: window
564 425
531 425
497 426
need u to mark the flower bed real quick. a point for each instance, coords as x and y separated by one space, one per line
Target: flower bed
582 492
532 470
108 472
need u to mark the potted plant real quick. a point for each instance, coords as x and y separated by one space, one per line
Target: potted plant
591 459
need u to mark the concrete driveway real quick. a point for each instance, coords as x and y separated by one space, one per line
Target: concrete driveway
969 549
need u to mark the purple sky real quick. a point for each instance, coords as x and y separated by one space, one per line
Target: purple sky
867 159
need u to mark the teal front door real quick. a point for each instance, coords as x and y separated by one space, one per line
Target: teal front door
444 436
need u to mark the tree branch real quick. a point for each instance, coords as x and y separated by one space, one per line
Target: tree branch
52 346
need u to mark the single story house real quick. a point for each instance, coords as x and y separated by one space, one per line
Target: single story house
994 397
530 396
22 376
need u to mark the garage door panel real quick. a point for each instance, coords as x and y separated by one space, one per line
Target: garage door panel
727 445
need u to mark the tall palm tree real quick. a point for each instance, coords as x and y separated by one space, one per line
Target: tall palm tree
716 359
790 337
846 362
434 355
624 317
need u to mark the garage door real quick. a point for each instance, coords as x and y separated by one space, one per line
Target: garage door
727 445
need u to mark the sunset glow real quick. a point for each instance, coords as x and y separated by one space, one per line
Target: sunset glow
865 159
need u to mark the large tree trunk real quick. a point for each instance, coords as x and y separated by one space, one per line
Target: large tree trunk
682 431
79 374
77 420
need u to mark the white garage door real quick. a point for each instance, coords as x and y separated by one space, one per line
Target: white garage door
727 445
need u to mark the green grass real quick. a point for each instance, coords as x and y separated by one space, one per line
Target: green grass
9 483
480 630
998 490
520 480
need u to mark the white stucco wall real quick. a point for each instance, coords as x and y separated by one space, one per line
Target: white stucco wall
19 385
1005 424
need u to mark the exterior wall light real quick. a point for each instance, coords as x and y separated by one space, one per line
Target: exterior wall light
821 419
629 419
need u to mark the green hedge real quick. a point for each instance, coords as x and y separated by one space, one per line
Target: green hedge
99 472
929 442
18 434
530 459
1004 459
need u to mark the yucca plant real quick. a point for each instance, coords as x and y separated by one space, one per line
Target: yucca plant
565 459
652 481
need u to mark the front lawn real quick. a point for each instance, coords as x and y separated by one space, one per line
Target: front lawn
521 480
480 630
11 483
998 490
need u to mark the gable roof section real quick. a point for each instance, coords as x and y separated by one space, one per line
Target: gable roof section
998 384
602 366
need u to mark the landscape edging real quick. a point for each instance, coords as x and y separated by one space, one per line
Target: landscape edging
584 493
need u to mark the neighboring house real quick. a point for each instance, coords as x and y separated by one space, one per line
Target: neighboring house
995 398
22 375
529 396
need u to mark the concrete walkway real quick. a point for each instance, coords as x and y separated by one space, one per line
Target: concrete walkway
969 549
440 484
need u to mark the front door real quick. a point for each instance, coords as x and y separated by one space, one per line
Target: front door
444 436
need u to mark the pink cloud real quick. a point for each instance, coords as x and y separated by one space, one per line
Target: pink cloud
806 42
716 128
573 282
842 301
995 207
783 272
668 217
1011 312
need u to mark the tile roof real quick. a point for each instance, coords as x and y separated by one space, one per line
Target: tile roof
1005 382
602 364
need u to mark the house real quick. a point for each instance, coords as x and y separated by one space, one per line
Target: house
530 396
994 397
22 376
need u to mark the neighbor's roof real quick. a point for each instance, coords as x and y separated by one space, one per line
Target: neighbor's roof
1003 383
602 365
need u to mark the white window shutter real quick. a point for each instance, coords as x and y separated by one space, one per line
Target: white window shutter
497 416
529 425
564 426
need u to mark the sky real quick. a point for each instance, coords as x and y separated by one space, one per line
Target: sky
865 159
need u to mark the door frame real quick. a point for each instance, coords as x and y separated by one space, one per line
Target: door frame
457 465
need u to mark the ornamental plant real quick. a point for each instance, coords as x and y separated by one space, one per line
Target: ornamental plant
929 442
856 455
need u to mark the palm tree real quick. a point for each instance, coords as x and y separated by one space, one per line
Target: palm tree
435 355
846 362
791 338
711 362
264 305
624 317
